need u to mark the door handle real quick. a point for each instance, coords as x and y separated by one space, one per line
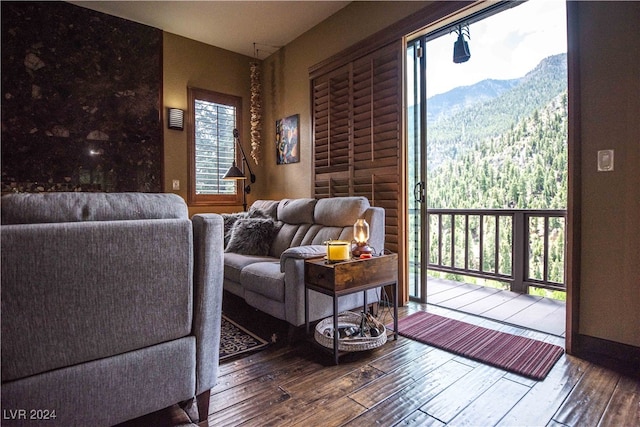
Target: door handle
418 192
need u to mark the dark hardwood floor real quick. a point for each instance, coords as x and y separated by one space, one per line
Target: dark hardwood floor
408 383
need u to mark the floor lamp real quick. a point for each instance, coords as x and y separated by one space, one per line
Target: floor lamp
234 173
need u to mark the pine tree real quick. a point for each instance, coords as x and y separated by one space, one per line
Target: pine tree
512 154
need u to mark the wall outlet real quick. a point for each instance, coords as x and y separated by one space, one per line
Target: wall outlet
176 184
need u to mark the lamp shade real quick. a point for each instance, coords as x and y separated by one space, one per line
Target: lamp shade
461 50
361 248
361 231
234 173
176 119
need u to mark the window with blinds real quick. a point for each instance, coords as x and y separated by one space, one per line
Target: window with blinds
213 117
214 124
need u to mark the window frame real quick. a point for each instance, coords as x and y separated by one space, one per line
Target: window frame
194 199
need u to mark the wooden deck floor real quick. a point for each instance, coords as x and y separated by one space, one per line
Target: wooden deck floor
408 383
528 311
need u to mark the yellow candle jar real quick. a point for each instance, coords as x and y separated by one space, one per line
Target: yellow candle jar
338 250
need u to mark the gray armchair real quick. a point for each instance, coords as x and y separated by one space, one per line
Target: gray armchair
111 305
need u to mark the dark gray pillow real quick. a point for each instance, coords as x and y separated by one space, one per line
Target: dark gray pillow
256 213
229 220
252 236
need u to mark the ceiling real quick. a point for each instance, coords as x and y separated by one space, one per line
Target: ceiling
232 25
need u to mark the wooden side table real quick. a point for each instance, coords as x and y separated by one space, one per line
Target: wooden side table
344 278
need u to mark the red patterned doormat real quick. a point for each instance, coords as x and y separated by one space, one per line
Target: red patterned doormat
524 356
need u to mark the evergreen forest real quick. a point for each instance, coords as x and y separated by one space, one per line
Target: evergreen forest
501 145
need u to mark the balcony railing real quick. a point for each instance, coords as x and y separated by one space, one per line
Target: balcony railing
520 247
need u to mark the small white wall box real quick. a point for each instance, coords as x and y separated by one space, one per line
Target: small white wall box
605 160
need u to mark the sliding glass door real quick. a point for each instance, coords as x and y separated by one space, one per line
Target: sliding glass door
486 136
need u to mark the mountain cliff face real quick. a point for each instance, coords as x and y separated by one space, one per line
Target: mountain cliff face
499 144
464 97
467 114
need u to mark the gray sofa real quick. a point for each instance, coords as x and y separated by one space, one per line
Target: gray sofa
270 277
111 306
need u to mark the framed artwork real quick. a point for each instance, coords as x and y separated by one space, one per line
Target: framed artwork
287 144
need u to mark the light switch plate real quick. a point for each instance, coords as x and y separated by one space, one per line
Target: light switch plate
605 160
176 184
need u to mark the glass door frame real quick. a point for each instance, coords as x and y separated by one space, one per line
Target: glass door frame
417 172
418 280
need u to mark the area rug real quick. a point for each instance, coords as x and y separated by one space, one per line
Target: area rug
524 356
235 340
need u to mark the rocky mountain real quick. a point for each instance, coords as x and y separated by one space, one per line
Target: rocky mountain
464 97
465 115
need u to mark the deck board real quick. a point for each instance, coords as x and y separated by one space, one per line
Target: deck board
515 306
483 305
461 302
534 315
527 311
452 293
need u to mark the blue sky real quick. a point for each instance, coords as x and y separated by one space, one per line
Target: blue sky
504 46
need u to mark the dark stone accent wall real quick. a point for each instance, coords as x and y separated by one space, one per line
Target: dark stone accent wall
81 97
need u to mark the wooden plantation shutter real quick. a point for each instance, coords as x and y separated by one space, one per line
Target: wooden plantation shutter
331 96
357 131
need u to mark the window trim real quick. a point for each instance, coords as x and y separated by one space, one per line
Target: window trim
194 199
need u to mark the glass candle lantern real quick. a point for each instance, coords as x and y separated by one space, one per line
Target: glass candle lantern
361 237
